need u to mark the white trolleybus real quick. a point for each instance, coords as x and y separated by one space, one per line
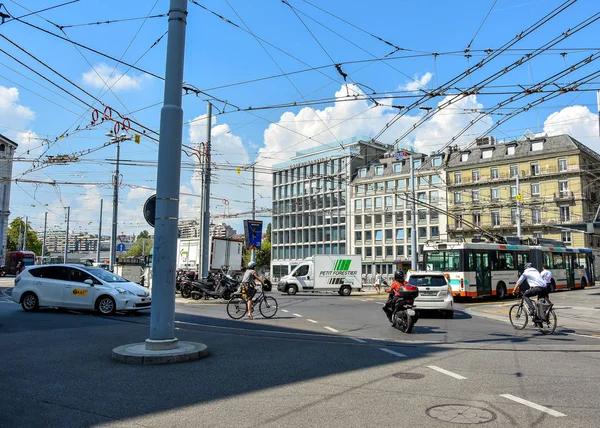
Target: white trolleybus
487 269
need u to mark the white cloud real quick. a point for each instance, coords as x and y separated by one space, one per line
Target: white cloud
103 75
15 117
417 83
577 121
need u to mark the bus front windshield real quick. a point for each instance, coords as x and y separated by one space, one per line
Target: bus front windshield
443 261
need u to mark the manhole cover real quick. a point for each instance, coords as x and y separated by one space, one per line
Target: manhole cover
406 375
460 414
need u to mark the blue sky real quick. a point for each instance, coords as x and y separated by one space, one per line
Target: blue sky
219 55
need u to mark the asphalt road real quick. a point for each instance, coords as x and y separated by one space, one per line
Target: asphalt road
323 361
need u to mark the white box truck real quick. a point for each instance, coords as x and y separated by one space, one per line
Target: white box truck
339 273
222 252
188 253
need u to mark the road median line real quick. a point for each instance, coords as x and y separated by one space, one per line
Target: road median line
447 372
533 405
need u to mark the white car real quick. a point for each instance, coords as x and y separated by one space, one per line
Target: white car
78 287
434 292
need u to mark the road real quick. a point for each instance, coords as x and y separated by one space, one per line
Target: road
323 361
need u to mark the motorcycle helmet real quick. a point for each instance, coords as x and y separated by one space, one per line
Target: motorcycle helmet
251 265
528 265
399 276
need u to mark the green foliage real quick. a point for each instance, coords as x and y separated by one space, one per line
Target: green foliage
267 236
33 243
263 256
144 234
142 245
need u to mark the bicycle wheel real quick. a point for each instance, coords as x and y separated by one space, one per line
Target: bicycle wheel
548 327
237 308
518 316
268 307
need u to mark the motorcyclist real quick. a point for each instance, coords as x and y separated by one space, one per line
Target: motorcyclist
537 286
394 294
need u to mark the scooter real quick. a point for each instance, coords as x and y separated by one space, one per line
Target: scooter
222 289
404 316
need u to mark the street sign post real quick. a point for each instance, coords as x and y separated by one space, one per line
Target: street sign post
121 248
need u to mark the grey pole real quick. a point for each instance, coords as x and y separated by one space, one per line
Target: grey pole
199 264
44 240
19 242
164 263
2 220
99 232
518 219
25 234
67 235
206 193
115 213
413 225
253 253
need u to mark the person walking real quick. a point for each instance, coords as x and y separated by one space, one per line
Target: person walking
378 281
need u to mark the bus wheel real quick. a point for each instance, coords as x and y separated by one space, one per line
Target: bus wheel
583 283
500 291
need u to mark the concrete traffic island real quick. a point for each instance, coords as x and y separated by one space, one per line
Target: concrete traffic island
159 352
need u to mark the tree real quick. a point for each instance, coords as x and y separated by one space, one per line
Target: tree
33 243
263 256
267 236
142 246
144 234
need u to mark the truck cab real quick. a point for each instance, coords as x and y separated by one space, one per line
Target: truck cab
299 279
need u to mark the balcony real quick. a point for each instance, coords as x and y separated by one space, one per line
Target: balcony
564 196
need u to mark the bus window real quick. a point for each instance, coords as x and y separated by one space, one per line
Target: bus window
443 261
504 261
547 259
557 261
582 259
522 259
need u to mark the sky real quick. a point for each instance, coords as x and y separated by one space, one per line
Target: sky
282 77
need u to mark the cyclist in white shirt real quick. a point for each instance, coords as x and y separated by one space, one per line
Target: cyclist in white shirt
547 276
537 286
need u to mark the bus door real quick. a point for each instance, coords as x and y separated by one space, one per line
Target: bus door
570 261
483 273
591 269
522 260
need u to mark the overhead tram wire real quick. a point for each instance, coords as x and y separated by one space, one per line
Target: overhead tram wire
493 55
481 26
112 21
36 12
481 84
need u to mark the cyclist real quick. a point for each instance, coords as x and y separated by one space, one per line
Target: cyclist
249 285
537 286
394 294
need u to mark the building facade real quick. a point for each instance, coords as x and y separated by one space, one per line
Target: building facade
81 242
554 179
221 230
382 210
7 150
311 208
189 228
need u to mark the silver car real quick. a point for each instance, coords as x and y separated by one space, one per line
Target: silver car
434 292
78 287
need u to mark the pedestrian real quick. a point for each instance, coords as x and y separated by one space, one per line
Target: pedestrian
378 281
547 276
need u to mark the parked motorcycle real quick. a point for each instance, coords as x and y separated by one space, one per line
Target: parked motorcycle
404 316
216 286
2 271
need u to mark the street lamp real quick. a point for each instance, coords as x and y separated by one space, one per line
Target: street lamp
113 237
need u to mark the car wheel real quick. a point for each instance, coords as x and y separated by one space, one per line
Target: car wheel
448 314
291 290
30 302
106 305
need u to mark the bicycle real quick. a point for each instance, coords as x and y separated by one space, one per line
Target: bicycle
237 307
519 315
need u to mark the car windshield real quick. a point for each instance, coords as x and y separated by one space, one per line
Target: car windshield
104 275
427 280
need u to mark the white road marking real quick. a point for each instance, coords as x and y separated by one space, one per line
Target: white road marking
584 335
380 303
363 300
312 321
331 329
285 310
533 405
389 351
358 340
297 315
446 372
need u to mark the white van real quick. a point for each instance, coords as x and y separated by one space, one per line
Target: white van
339 273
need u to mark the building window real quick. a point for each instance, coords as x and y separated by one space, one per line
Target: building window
494 173
368 203
487 154
368 235
369 252
360 188
435 231
400 234
398 167
401 184
362 172
368 221
417 163
389 234
380 186
357 220
457 177
423 181
358 204
538 145
477 219
378 251
436 161
535 169
464 157
562 165
422 196
475 175
378 235
457 197
566 237
433 197
389 251
510 150
377 203
399 218
379 170
495 218
535 189
536 215
513 216
389 202
494 194
400 250
563 188
514 171
399 201
513 192
358 236
422 232
475 195
435 179
459 221
422 216
565 213
434 216
391 185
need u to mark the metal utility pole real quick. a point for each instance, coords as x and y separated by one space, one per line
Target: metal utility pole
19 242
206 194
413 234
115 213
25 234
518 216
253 253
201 151
44 240
164 263
99 232
2 220
67 235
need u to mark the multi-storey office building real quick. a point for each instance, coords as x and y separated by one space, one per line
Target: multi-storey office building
7 151
558 188
311 208
381 204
